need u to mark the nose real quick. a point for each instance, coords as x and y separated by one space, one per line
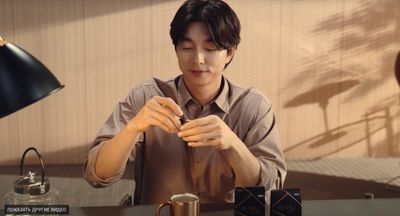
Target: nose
199 57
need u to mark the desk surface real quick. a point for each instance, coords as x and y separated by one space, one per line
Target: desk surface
387 207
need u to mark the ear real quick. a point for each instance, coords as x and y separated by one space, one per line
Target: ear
230 53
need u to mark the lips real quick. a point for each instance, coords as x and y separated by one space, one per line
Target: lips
196 72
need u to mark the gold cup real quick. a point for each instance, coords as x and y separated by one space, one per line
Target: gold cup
186 204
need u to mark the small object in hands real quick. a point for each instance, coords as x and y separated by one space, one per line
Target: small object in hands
249 201
172 93
285 202
186 204
183 120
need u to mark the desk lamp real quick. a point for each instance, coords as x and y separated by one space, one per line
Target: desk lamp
23 79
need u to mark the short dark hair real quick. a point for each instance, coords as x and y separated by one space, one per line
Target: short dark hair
221 20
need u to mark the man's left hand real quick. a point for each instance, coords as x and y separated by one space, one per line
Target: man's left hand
208 131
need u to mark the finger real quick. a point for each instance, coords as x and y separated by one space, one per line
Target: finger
197 130
168 102
198 122
164 120
167 112
202 137
202 143
157 123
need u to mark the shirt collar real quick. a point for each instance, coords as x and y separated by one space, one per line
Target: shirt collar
183 93
221 100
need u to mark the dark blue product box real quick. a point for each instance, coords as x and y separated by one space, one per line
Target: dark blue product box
250 201
285 202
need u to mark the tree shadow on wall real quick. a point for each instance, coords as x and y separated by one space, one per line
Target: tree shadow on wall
371 29
377 119
329 90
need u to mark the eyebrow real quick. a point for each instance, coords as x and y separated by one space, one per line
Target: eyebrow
186 39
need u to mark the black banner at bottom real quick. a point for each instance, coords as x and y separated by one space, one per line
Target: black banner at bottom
36 209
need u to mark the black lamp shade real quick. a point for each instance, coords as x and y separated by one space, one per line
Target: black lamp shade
23 79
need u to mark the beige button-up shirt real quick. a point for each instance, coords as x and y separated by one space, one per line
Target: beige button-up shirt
171 167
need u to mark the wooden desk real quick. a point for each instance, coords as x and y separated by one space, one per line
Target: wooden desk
387 207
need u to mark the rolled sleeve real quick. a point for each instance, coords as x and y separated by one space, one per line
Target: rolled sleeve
264 143
90 174
121 115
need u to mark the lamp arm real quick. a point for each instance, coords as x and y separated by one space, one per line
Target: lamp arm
2 41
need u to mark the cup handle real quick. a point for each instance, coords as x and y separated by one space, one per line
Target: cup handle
160 207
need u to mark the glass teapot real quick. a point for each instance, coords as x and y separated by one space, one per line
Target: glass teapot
29 189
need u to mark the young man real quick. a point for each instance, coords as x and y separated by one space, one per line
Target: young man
201 133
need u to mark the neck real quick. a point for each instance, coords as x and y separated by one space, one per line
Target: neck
204 94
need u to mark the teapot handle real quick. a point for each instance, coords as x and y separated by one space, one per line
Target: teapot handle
40 158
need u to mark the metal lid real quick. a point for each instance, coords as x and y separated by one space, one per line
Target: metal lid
31 185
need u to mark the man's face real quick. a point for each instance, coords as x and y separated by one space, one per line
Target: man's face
200 62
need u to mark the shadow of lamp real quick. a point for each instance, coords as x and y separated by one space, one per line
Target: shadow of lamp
321 96
23 81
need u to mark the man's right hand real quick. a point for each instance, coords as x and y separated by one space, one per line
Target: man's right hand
159 111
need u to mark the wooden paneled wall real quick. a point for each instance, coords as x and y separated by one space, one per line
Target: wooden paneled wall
327 66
